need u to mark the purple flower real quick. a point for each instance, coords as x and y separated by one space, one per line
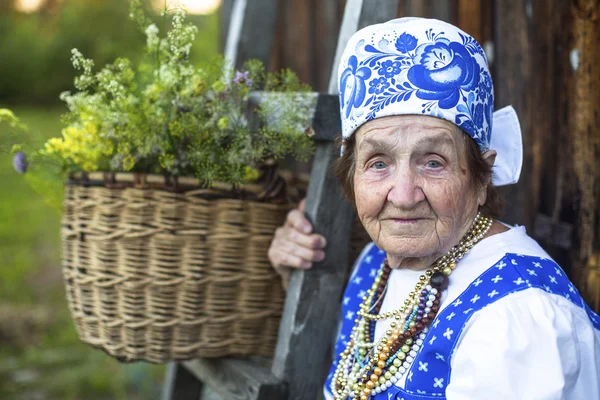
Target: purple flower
20 162
242 78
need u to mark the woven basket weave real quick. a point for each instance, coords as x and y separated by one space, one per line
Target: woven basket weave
159 275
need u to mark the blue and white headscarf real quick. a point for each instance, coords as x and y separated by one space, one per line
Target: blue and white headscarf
427 67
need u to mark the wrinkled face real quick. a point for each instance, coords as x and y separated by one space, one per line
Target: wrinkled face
412 188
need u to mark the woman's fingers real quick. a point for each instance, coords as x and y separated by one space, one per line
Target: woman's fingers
294 245
296 220
282 259
313 241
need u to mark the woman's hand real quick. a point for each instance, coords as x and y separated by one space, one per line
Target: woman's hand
294 245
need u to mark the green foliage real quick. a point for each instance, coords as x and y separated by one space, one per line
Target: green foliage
61 367
34 67
165 115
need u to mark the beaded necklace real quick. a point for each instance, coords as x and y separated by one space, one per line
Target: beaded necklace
366 367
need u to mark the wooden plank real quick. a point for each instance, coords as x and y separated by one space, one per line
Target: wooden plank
313 297
180 384
511 81
327 22
225 15
469 18
326 120
237 379
251 31
385 11
297 43
438 9
584 135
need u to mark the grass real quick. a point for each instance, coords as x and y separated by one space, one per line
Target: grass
42 356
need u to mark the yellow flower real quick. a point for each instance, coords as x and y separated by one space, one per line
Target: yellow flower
79 144
223 123
250 174
54 145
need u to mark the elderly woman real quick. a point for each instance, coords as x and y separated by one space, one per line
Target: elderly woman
446 302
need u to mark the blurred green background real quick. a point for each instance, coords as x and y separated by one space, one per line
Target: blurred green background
40 354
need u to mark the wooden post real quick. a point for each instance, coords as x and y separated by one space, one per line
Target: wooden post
585 140
511 83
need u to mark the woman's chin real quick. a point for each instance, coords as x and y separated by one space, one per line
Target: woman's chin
418 246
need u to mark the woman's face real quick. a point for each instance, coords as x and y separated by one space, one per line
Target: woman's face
412 185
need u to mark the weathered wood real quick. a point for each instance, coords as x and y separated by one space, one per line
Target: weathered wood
547 25
237 379
469 18
225 16
438 9
327 21
180 384
512 77
298 43
585 139
251 31
312 302
357 15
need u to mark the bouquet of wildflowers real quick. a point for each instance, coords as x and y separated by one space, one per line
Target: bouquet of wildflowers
167 116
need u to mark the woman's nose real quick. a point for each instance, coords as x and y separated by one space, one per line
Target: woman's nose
406 191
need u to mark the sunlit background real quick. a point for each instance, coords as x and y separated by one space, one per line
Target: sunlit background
198 7
40 354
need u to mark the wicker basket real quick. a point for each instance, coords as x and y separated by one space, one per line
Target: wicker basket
158 274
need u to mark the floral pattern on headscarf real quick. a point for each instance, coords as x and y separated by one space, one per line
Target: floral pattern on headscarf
427 72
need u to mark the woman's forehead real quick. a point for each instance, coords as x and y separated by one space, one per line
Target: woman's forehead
410 130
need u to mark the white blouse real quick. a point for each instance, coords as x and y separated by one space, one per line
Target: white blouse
528 345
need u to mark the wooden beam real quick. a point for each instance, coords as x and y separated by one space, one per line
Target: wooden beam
237 379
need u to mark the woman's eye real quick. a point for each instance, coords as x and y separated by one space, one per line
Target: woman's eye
378 165
433 164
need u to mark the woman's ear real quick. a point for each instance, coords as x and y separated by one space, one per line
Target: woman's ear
490 157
